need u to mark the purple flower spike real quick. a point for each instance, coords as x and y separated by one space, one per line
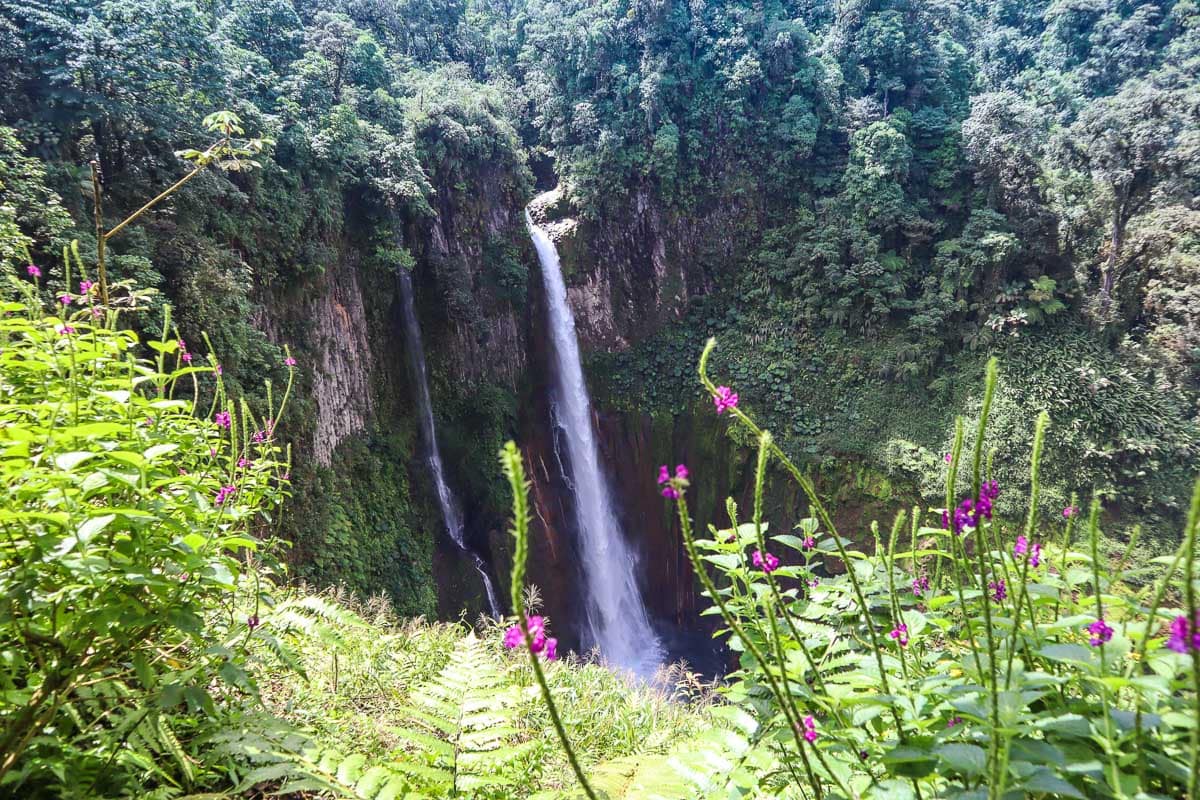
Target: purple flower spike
33 271
1101 632
764 561
672 487
725 399
900 634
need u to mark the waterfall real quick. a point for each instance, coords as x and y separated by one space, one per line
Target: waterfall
451 511
616 617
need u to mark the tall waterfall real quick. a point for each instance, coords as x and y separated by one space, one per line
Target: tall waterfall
616 617
451 511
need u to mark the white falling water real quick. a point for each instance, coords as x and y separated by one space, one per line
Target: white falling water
451 511
616 617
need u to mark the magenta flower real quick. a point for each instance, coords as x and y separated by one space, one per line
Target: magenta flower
999 590
954 721
948 458
65 299
512 637
259 437
33 271
289 362
920 585
810 729
252 621
1035 554
1184 637
219 370
900 634
85 287
814 583
244 462
764 561
1069 512
1101 632
537 636
1021 547
97 312
551 650
223 419
64 330
672 487
187 358
725 399
223 494
809 543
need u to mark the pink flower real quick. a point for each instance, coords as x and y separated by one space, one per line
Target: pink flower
223 494
289 362
252 621
65 299
948 458
223 419
810 729
187 358
764 561
999 590
182 345
537 636
1023 547
64 330
920 585
1101 632
219 370
244 462
953 721
33 271
809 543
85 287
97 312
1184 637
512 637
1069 512
672 487
900 634
724 399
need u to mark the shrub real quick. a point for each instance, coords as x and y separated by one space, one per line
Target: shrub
959 657
135 493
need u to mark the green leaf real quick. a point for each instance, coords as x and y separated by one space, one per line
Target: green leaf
1047 782
69 461
967 759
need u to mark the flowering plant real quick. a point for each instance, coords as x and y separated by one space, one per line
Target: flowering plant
128 523
965 658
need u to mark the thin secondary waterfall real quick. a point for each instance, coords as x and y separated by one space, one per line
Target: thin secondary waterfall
616 617
451 511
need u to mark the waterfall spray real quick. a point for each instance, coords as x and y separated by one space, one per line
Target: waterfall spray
617 622
451 511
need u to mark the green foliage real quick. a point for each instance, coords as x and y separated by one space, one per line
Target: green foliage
356 525
130 517
904 671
